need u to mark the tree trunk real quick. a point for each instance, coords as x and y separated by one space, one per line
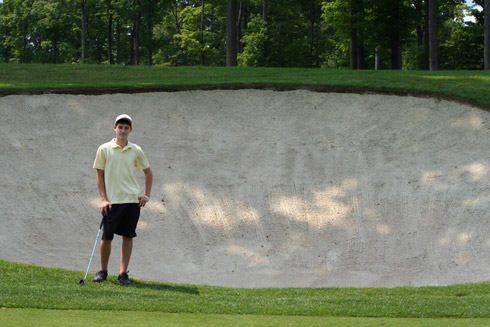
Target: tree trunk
6 52
433 43
264 11
201 41
395 35
420 17
426 36
118 42
90 47
486 55
136 36
25 39
239 27
55 50
361 54
109 33
395 51
175 14
136 44
312 40
118 39
149 35
231 33
82 3
353 36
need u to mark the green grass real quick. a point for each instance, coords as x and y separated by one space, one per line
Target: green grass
468 86
64 318
31 287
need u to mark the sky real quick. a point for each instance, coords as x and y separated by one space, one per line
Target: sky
471 18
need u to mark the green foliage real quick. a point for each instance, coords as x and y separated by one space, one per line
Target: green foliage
306 33
254 44
468 37
178 35
169 50
294 35
376 22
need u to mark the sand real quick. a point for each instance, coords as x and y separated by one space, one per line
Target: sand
257 188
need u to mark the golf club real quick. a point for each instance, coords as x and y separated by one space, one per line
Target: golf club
82 282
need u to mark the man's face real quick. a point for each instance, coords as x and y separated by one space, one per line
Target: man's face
122 130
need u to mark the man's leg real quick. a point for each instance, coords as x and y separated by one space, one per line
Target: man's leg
105 253
126 250
128 232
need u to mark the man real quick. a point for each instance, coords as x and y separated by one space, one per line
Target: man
120 194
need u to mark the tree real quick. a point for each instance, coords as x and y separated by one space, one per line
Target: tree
18 20
136 31
291 36
433 41
180 34
201 39
264 11
287 33
312 10
53 33
396 52
370 25
231 33
110 15
84 29
4 30
354 54
458 37
169 35
416 53
486 10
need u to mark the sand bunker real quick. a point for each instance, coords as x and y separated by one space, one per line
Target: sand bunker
262 188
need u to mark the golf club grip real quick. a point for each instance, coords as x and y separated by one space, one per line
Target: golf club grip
102 221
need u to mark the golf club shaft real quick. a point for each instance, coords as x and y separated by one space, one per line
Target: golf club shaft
95 245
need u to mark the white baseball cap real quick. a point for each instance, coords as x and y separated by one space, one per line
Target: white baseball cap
123 117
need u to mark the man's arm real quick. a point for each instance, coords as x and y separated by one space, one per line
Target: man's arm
105 205
148 183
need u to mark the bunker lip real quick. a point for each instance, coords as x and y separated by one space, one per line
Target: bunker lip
272 87
261 188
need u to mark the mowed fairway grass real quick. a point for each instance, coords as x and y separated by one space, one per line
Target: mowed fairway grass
38 296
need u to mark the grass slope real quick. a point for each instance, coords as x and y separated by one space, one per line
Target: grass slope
26 286
468 86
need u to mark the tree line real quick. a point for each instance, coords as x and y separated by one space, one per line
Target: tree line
355 34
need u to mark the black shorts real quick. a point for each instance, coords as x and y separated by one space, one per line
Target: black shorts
121 220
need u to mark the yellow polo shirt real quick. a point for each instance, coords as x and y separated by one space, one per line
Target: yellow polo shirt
118 165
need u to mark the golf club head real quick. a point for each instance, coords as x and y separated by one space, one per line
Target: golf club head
82 282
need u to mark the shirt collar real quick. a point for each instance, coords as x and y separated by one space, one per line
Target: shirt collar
115 145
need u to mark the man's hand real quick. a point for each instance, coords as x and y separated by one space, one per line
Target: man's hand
105 207
143 200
